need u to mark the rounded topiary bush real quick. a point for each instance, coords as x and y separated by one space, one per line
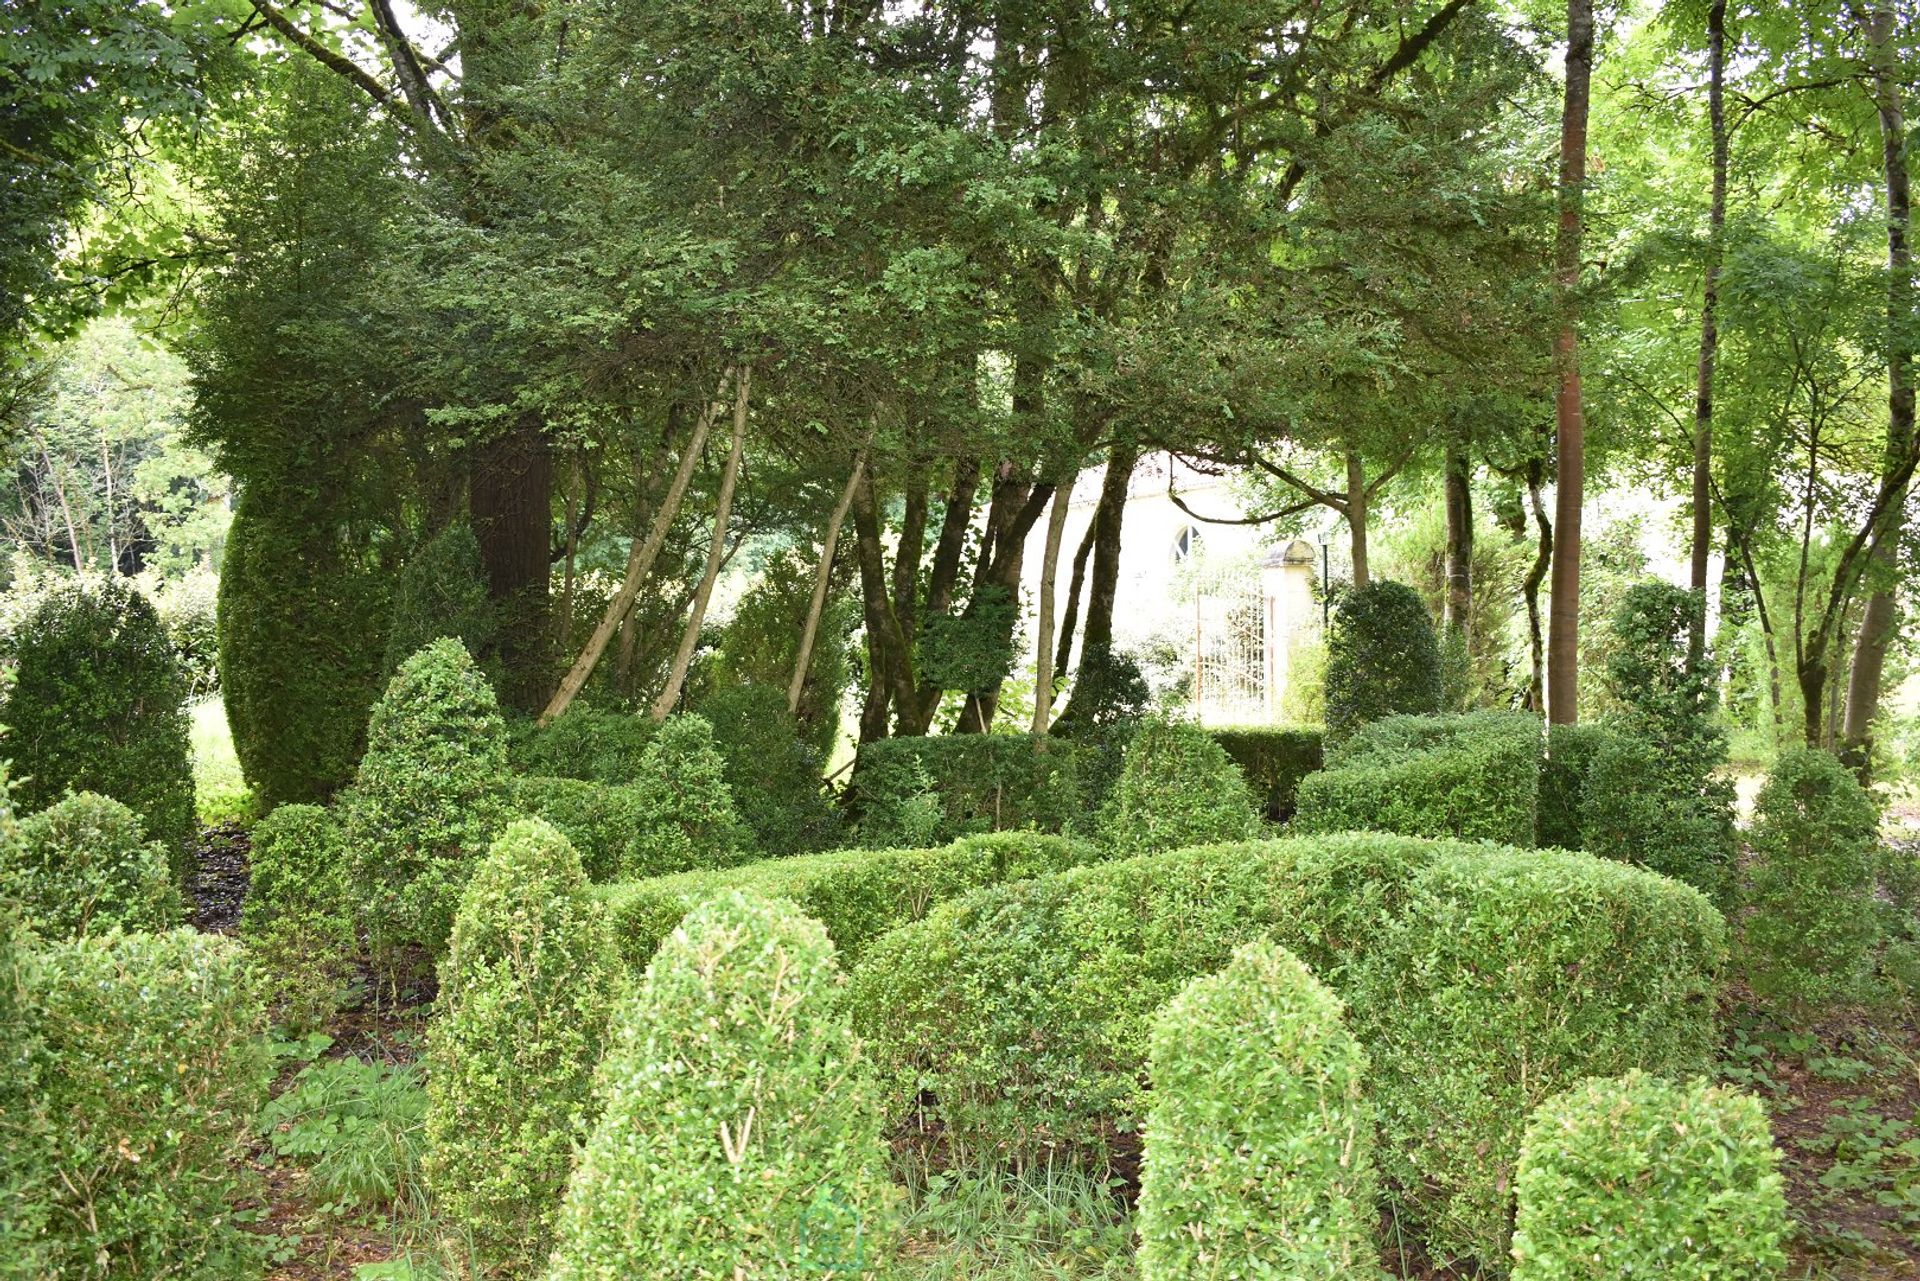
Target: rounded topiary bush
1643 804
1382 658
525 991
1650 669
98 704
774 777
1640 1177
84 866
685 806
584 743
739 1132
1809 932
430 794
300 652
297 916
442 591
1177 788
1259 1142
141 1060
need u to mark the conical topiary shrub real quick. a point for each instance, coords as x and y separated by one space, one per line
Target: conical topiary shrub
688 819
1177 788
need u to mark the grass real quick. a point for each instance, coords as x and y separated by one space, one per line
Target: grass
220 790
1046 1224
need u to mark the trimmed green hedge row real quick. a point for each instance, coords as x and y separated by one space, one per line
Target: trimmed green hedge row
1481 981
1640 1177
1259 1148
1472 777
984 782
857 894
1274 759
600 819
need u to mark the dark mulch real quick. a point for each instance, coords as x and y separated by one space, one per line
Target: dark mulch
219 880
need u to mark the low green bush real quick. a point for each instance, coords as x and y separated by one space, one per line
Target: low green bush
1177 788
1809 929
685 813
297 916
1563 782
775 778
430 795
601 819
1662 809
356 1128
1480 982
983 783
141 1061
1259 1144
1640 1177
857 894
585 743
84 866
525 992
441 591
1273 759
97 703
1474 777
739 1133
1382 658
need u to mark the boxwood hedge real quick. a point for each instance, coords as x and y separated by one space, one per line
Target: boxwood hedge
84 866
1273 759
984 782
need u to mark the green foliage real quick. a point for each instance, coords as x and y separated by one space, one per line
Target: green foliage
297 916
1480 981
84 866
442 591
1809 930
429 797
143 1061
978 782
1304 698
188 611
1177 788
1109 689
584 743
1640 804
739 1132
299 653
599 819
1643 1177
761 641
1474 776
686 812
98 704
971 649
525 992
774 776
1563 782
1273 759
1259 1144
356 1127
1648 669
1382 658
857 894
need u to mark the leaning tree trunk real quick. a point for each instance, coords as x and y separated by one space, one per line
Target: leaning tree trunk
822 580
1457 610
1043 627
716 552
510 495
1563 624
1709 331
640 560
1530 589
1881 619
1103 584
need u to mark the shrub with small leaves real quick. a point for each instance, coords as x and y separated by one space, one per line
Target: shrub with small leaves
774 777
1259 1143
1382 658
584 743
143 1061
84 866
297 914
1808 935
1274 758
686 811
1177 788
525 991
1563 782
1643 804
442 591
98 704
1640 1177
1475 776
428 799
739 1132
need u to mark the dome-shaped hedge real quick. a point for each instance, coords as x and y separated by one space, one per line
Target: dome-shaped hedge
1382 658
740 1134
1177 788
525 991
84 866
98 704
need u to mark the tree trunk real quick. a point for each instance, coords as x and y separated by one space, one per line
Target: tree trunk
510 494
822 580
1103 585
1563 633
1457 611
640 560
716 551
1530 588
1357 517
889 652
915 713
1709 330
1878 625
1043 627
1070 618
